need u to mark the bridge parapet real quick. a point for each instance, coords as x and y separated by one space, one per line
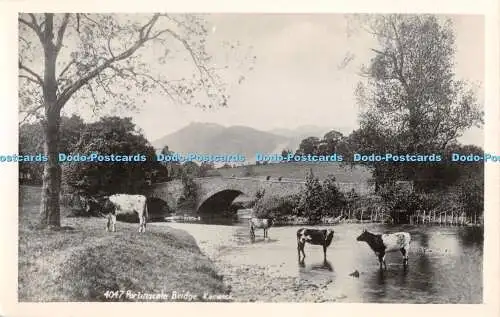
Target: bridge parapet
249 186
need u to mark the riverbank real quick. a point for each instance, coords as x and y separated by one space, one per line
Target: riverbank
83 262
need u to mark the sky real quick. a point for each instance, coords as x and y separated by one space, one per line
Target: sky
297 78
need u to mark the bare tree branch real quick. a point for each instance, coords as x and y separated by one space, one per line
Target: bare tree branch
193 56
32 26
68 92
25 68
65 69
30 113
31 79
60 33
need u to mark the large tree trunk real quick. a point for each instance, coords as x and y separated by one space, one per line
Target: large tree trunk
49 208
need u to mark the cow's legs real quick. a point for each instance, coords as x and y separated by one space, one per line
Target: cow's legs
404 251
252 233
300 247
381 260
108 223
113 222
324 252
142 223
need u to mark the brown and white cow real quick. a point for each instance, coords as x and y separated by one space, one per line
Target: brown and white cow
384 243
259 223
123 204
321 237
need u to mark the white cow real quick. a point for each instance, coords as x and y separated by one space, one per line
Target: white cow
122 204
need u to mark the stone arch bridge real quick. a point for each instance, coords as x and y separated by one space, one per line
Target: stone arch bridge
217 193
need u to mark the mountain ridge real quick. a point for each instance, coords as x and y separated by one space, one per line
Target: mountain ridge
202 137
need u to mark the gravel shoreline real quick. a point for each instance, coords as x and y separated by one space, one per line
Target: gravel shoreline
255 283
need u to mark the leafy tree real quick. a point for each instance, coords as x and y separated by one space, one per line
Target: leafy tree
411 101
328 144
205 167
276 206
110 136
411 95
191 169
95 57
170 169
285 152
333 198
189 192
311 202
308 146
31 142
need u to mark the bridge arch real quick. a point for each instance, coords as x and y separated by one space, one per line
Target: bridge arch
217 201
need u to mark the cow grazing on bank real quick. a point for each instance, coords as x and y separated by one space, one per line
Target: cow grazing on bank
122 204
315 237
383 243
260 223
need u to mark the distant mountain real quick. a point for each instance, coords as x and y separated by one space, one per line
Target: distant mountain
217 139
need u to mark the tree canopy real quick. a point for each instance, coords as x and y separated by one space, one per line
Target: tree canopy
410 96
110 60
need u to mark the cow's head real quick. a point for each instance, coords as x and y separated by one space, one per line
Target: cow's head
96 205
363 236
329 234
270 221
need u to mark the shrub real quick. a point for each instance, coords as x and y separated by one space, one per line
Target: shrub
276 206
311 200
333 199
189 192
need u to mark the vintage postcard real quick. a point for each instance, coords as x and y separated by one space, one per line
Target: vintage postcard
201 155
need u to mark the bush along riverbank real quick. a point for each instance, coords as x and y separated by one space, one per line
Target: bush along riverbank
324 204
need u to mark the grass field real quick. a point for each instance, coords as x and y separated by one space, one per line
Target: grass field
83 261
297 170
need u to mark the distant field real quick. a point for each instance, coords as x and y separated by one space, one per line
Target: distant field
83 261
346 174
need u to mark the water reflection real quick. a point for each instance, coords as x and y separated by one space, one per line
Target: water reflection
471 236
323 266
317 273
445 263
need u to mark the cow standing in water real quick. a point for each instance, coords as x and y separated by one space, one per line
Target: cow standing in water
118 204
315 237
383 243
258 223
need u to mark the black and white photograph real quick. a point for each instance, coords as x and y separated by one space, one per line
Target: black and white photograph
251 157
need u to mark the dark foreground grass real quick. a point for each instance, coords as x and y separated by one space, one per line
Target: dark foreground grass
83 261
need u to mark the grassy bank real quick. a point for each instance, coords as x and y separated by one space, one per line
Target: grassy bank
82 261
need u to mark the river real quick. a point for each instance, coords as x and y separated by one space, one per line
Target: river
445 265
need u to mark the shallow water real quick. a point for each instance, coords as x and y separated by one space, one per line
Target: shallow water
445 263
